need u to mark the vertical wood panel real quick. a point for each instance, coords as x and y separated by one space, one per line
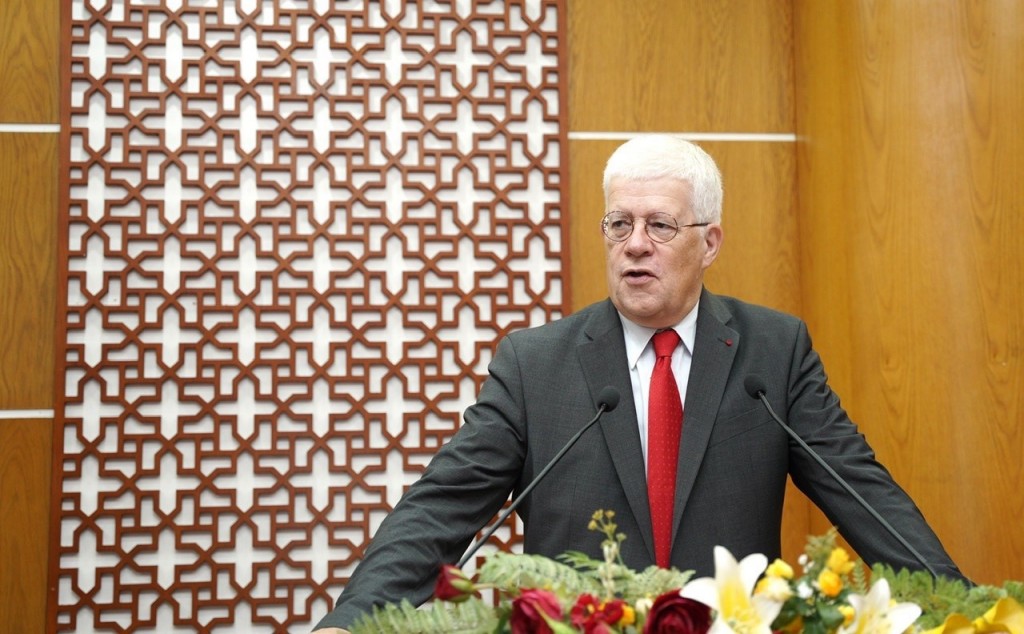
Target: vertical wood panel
29 93
28 219
760 254
665 65
25 450
914 247
29 36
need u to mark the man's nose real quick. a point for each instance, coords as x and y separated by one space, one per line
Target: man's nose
638 241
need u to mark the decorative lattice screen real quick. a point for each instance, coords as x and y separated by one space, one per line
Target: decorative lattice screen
294 232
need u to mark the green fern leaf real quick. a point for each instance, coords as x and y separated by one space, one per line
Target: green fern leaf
470 617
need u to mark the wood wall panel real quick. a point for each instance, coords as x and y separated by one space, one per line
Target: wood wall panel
25 450
29 60
586 208
28 219
760 256
913 246
665 65
29 93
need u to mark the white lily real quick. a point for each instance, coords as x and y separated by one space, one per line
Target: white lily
730 595
874 613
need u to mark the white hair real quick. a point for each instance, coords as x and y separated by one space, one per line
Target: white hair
653 156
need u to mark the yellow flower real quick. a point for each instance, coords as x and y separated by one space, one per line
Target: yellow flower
1006 615
847 612
774 588
829 583
628 615
954 624
839 562
780 569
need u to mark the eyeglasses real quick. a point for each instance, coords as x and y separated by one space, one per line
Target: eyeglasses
618 226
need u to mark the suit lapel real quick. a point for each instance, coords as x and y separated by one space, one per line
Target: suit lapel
603 358
714 350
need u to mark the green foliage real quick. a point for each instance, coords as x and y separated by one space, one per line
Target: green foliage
653 582
813 602
819 547
509 572
859 582
1015 589
941 597
629 585
470 617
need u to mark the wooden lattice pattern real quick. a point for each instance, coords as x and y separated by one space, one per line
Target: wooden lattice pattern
294 233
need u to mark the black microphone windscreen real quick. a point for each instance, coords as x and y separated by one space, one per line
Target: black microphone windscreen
755 386
609 397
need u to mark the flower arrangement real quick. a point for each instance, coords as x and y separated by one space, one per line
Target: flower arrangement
830 594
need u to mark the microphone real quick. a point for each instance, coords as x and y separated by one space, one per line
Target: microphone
755 387
607 400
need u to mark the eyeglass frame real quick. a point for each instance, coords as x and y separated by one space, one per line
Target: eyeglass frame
632 226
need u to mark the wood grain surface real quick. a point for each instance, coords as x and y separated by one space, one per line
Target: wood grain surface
29 61
25 450
665 65
913 250
28 278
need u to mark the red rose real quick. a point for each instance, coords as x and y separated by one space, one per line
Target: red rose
453 585
674 614
593 616
527 611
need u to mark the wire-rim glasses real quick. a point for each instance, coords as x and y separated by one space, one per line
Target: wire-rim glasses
617 226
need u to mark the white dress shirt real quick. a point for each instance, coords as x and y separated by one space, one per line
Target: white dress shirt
640 356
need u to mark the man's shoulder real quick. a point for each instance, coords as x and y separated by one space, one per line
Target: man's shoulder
597 316
739 313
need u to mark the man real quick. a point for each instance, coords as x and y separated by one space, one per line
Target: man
688 459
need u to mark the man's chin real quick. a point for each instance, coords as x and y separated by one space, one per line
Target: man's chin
640 314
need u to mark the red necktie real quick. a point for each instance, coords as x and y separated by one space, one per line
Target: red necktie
664 427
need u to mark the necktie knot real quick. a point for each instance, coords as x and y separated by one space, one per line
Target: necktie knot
665 343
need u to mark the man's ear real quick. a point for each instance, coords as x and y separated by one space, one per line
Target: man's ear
713 241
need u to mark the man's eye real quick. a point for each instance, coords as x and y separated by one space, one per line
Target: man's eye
619 224
660 226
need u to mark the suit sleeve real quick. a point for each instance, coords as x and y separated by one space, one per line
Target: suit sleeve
464 485
815 413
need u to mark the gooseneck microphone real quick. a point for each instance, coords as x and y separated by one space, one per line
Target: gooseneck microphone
607 400
756 388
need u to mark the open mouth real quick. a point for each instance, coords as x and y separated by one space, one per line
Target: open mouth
638 275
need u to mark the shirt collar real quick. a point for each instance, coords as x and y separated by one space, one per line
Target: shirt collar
637 337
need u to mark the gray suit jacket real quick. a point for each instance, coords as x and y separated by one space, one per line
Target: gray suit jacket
733 458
